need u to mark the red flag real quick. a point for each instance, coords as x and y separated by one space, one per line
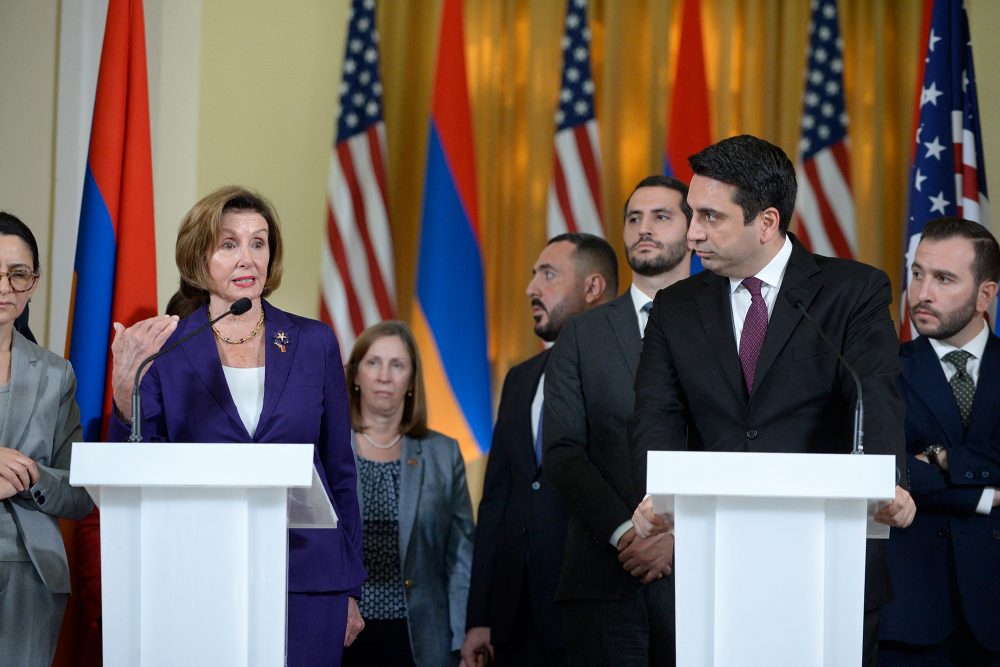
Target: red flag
115 267
689 127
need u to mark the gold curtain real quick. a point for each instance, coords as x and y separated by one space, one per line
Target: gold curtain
755 53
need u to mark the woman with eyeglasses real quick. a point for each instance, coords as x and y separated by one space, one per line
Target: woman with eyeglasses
39 419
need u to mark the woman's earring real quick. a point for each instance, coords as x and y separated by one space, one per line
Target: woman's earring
409 393
357 388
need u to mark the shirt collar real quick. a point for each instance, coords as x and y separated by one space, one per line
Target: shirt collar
976 347
772 274
639 298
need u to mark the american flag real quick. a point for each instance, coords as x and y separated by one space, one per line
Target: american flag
825 205
575 192
948 174
357 267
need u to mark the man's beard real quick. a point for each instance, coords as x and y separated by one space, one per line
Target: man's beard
672 255
948 324
564 310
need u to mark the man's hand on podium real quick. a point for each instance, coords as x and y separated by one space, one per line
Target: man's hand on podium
900 512
355 624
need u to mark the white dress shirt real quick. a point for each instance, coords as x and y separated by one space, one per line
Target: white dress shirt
771 277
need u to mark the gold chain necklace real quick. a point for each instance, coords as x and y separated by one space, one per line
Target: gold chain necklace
240 341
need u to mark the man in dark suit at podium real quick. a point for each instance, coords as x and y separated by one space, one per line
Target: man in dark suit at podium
946 567
729 363
522 521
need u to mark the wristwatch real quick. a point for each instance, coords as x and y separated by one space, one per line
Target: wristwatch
932 454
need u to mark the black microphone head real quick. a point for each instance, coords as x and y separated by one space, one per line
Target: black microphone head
240 306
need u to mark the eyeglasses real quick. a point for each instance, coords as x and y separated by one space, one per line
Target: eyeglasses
21 280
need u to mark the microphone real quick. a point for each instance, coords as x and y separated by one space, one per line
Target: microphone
239 307
859 408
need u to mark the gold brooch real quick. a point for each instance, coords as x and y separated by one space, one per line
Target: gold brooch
281 341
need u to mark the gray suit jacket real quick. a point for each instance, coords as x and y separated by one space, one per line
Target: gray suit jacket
42 422
588 399
435 545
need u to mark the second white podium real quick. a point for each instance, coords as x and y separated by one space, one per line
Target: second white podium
194 549
769 553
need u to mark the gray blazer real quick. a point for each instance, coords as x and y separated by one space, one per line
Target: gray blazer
42 421
435 545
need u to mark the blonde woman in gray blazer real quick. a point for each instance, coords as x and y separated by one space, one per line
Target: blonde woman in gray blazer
39 419
415 506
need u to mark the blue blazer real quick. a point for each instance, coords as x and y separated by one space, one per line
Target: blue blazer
435 545
948 561
185 398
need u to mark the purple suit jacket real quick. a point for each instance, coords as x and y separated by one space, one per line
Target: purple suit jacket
185 398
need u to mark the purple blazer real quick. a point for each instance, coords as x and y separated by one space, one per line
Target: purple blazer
185 398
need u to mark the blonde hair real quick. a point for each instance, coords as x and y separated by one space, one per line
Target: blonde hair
200 229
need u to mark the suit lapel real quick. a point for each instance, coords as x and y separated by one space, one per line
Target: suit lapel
922 371
203 356
986 404
411 476
24 379
798 285
625 325
278 327
715 311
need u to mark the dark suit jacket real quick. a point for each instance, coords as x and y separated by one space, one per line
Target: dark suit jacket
690 392
588 398
522 522
948 561
185 398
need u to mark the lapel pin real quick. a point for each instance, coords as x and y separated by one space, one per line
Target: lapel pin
281 341
411 462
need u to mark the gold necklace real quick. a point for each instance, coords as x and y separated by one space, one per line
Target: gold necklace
240 341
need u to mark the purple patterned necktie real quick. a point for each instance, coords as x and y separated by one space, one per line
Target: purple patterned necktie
754 328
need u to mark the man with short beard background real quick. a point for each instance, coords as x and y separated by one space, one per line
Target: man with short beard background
522 522
615 589
945 567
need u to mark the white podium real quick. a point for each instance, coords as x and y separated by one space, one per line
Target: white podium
769 553
194 548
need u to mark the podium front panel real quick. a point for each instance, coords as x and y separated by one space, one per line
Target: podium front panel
211 586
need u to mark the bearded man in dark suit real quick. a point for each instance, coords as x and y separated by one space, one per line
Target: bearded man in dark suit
946 567
729 362
521 530
615 589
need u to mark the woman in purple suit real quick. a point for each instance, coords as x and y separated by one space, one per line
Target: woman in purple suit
263 376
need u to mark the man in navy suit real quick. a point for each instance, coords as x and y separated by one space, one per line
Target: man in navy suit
945 567
522 521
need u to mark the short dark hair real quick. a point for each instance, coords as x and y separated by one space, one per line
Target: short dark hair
11 225
986 265
763 175
592 254
661 181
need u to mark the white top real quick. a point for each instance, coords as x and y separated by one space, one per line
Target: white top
771 275
247 388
